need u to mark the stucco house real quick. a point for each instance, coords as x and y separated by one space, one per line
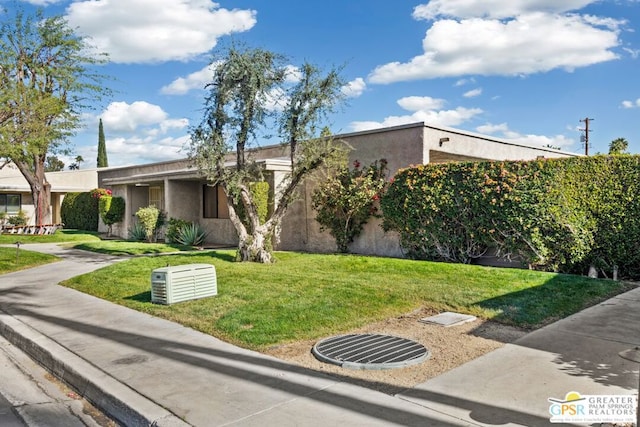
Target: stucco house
15 193
179 190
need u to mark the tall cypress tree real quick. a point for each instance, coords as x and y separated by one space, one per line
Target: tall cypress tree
102 148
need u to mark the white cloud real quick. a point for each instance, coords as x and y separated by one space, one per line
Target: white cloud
490 128
41 2
430 116
463 82
502 131
138 133
354 88
493 8
123 117
136 31
473 93
417 103
293 74
199 79
276 100
634 53
631 104
171 124
529 43
134 150
196 80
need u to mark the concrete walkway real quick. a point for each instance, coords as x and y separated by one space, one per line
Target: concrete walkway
143 370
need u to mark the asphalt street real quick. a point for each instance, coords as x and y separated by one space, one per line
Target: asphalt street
30 396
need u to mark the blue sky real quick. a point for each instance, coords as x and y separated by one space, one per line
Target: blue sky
525 70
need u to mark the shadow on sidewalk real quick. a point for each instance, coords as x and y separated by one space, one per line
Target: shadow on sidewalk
203 357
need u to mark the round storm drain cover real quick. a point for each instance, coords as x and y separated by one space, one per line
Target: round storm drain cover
370 351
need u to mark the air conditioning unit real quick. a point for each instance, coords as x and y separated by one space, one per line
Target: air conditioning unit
182 283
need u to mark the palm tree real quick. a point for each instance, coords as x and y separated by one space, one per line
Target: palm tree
76 165
618 146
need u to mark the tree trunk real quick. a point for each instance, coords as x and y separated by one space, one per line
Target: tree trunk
40 189
255 244
255 248
43 207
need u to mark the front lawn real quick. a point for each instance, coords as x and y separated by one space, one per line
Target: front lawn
12 259
121 247
307 296
58 237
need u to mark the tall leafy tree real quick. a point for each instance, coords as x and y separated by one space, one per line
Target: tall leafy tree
45 82
618 146
102 148
53 164
239 109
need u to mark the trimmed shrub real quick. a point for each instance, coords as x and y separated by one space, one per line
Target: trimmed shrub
557 214
111 210
173 228
148 218
346 201
80 211
19 219
260 193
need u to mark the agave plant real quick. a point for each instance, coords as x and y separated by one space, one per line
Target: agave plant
137 233
191 235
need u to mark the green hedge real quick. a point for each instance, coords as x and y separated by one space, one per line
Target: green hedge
80 211
260 193
562 214
111 209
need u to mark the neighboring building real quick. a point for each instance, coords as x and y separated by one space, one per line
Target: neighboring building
15 193
179 190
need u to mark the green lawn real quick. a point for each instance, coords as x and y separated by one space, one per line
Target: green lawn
27 259
119 247
59 237
12 259
307 296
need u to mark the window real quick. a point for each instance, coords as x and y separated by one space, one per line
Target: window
10 203
214 202
156 197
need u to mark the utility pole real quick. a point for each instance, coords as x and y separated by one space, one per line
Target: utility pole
585 138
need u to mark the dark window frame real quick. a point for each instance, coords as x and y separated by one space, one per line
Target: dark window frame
4 203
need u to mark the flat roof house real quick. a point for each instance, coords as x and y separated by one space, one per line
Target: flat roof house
178 189
15 193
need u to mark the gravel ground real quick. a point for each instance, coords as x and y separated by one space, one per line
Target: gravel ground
449 347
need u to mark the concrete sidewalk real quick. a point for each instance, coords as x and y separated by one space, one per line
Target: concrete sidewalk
143 370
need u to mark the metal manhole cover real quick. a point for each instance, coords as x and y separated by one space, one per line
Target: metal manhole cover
370 351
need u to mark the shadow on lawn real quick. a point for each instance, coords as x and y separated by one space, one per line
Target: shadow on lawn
141 297
224 362
584 345
557 298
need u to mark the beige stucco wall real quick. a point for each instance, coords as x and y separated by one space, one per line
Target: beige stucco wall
466 145
401 146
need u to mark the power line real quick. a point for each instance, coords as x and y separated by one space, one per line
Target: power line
585 138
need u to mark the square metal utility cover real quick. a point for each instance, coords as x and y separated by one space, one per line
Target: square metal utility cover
448 318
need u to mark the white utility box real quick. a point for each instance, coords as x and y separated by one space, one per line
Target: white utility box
183 282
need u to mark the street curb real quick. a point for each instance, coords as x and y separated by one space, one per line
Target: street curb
114 398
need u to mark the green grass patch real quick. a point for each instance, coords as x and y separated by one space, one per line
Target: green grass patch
120 247
58 237
307 296
12 259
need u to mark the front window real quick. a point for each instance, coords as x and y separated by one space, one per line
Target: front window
156 197
214 202
10 204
